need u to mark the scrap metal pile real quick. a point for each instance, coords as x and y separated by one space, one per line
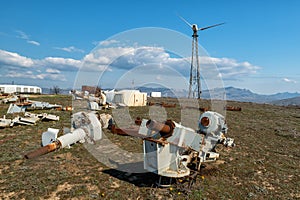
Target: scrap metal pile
85 127
170 149
96 101
20 104
27 119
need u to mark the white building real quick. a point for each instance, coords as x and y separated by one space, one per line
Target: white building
130 98
155 94
21 89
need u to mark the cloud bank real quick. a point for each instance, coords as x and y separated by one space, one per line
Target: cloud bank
157 59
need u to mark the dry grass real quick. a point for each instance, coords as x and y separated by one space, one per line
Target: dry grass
263 165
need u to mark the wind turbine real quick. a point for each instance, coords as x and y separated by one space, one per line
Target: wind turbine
195 78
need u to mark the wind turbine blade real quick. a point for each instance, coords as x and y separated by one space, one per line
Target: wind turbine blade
185 21
201 29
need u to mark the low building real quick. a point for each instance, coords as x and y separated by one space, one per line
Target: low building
130 98
155 94
20 89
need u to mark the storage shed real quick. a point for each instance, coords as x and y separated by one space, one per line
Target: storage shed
155 94
130 98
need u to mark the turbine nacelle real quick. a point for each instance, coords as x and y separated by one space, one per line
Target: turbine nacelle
195 27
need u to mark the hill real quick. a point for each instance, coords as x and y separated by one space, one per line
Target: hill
232 93
287 102
245 95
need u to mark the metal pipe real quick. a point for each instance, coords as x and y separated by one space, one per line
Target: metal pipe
87 128
156 126
43 150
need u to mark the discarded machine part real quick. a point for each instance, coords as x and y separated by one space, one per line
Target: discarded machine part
67 108
5 122
27 120
43 150
131 131
86 127
10 99
93 105
29 114
43 105
138 121
49 136
165 130
202 109
233 108
168 105
42 116
32 105
104 119
49 117
172 156
162 104
13 108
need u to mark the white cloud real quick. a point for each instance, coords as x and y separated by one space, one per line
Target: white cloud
31 75
11 59
70 49
67 64
228 68
100 59
127 58
287 80
106 42
24 36
155 60
14 59
33 42
52 71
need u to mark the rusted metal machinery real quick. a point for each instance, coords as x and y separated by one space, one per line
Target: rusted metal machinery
170 149
86 127
233 108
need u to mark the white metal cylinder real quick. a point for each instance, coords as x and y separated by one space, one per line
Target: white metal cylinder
71 138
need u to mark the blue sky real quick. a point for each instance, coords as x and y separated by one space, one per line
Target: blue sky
46 43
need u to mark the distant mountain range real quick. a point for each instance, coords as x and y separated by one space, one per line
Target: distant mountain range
245 95
288 102
232 93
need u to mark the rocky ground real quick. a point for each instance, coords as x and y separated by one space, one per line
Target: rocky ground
264 164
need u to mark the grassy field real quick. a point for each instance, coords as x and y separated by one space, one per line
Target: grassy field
265 164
